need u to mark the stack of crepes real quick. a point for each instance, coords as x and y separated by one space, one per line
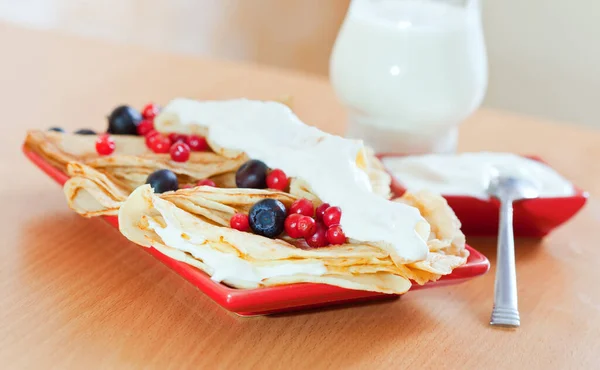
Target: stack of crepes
192 225
99 184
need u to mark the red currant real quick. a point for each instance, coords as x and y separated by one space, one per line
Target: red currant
105 145
150 137
145 127
150 111
291 225
239 221
151 133
159 144
319 238
303 206
175 137
207 182
277 180
335 235
197 143
320 210
180 152
306 226
332 216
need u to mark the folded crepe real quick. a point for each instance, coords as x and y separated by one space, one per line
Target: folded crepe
131 162
91 193
191 226
201 222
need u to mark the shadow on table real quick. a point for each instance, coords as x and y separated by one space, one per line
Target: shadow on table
525 248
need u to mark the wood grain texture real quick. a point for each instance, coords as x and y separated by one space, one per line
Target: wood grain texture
75 294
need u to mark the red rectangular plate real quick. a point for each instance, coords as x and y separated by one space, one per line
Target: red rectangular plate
262 301
533 218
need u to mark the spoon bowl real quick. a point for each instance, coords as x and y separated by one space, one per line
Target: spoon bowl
512 188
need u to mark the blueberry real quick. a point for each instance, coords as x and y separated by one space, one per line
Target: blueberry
56 129
252 174
267 217
124 121
85 131
162 181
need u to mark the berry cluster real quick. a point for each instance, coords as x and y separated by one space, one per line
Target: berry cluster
319 227
125 120
269 218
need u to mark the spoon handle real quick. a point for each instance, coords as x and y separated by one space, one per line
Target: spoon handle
506 311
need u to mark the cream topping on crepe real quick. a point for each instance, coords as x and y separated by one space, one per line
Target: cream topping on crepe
272 133
226 266
470 173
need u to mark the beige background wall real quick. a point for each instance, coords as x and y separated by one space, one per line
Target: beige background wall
544 58
544 55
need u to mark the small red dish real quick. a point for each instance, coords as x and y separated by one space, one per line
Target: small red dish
263 301
533 218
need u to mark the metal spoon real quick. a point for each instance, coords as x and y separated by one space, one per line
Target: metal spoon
507 189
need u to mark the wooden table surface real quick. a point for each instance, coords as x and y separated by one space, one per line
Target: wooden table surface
75 294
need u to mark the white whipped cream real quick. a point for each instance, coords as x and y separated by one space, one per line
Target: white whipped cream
227 266
272 133
469 173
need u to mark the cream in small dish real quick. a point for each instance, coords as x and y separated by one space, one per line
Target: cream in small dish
468 174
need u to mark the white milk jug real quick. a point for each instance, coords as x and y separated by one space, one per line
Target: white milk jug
409 71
